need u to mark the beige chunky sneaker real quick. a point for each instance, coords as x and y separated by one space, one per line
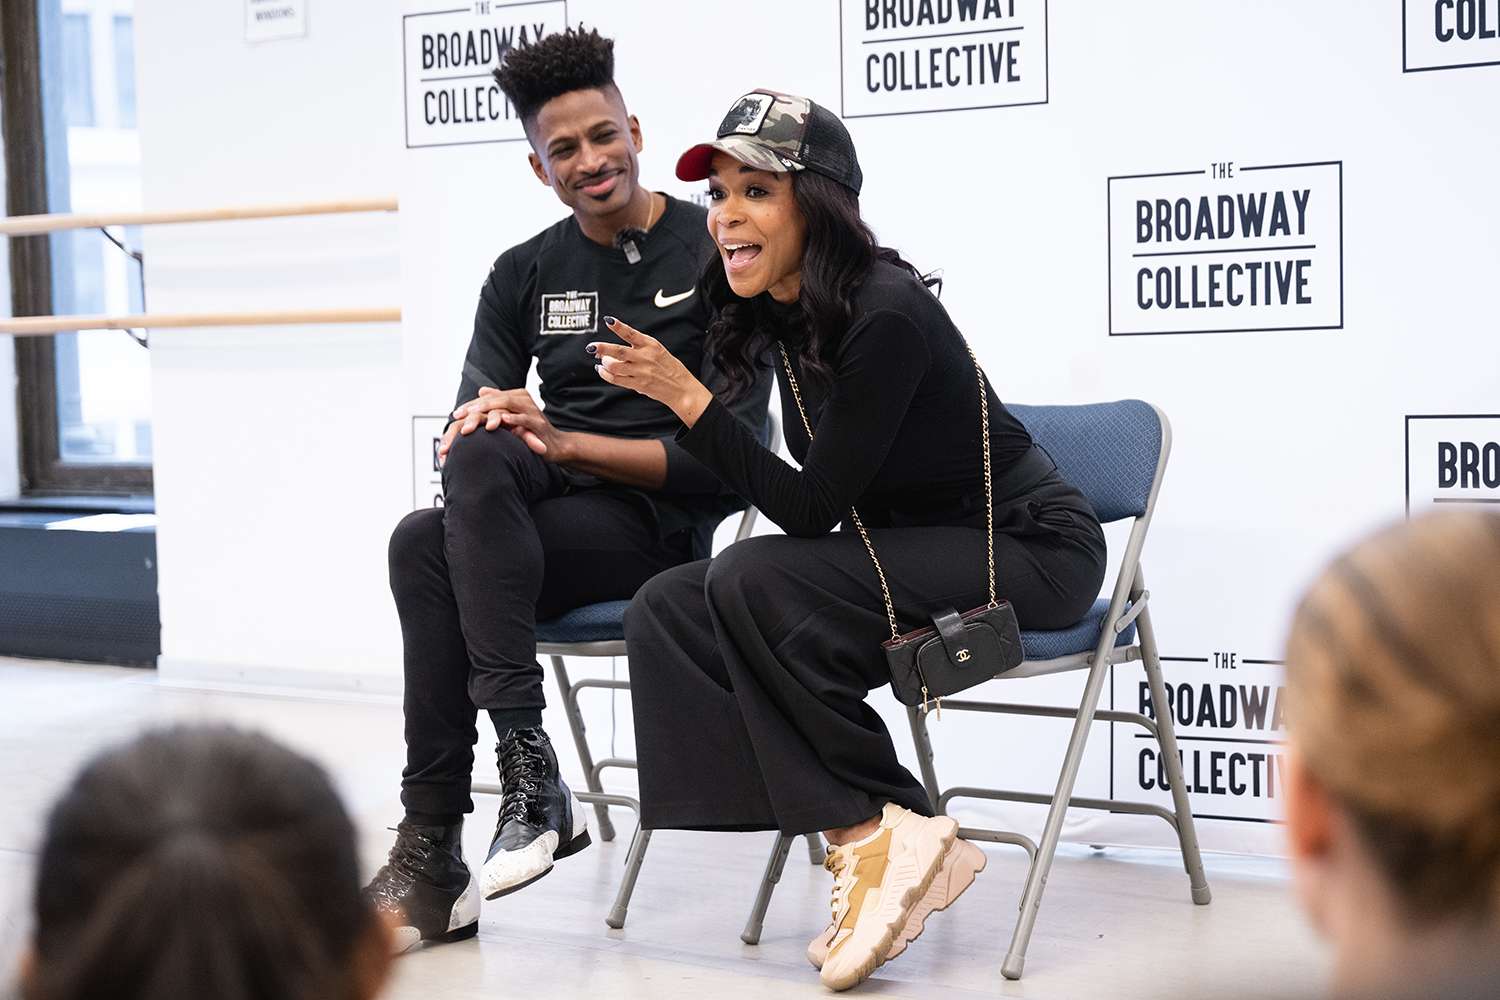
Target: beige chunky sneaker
877 882
962 862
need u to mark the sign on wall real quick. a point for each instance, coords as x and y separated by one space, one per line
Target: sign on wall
1227 249
449 58
268 20
426 471
915 56
1227 711
1449 34
1452 460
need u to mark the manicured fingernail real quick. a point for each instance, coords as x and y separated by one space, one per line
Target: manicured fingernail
599 369
593 348
610 321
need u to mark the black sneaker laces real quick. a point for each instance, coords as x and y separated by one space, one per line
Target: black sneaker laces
523 771
402 868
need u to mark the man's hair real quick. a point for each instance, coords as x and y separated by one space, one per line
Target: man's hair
556 64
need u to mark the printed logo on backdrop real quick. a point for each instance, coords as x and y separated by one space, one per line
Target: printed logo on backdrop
1449 34
448 55
1452 460
426 472
1228 249
903 57
1230 723
570 312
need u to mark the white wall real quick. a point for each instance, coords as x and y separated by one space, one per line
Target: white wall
279 450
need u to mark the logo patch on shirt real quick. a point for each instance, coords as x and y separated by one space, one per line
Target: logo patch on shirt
570 312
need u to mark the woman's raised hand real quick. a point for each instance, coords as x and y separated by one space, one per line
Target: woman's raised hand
644 365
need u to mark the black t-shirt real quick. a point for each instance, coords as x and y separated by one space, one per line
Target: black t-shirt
897 430
547 298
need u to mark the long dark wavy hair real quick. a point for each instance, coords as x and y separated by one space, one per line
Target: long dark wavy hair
839 252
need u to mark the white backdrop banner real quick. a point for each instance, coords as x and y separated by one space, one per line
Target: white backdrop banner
1127 200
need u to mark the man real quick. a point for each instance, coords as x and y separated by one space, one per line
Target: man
546 509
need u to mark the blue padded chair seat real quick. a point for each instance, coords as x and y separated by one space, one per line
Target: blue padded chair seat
604 622
1080 638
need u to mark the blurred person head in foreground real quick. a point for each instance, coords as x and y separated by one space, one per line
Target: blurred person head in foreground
202 861
1393 674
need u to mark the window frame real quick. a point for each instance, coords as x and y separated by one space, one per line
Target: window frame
44 472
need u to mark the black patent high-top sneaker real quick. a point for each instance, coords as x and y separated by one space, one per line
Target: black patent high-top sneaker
427 886
540 820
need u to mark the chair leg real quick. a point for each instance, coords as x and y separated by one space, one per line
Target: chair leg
1187 833
774 867
575 723
1041 865
633 862
815 851
923 741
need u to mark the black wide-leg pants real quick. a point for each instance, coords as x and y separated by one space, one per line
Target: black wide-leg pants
513 544
749 673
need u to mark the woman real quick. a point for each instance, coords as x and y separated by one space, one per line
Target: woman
202 862
1393 809
749 674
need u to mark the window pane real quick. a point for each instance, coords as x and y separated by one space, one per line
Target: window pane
78 65
110 383
103 376
88 271
125 70
135 273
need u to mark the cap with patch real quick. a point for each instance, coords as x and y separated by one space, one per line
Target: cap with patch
780 133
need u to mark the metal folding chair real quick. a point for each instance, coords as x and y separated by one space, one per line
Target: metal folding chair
599 630
1115 454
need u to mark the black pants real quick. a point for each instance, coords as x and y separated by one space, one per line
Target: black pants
749 673
513 545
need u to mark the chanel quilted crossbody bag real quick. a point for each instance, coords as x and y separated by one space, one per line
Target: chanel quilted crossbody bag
957 651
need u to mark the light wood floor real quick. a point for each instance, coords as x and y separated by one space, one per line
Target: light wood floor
1117 924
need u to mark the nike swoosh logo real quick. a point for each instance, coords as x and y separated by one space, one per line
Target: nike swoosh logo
663 300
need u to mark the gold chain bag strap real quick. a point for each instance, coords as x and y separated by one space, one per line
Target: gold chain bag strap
957 651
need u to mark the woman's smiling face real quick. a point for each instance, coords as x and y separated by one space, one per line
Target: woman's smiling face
760 232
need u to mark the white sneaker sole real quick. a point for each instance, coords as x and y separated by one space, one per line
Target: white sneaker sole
963 862
960 865
916 853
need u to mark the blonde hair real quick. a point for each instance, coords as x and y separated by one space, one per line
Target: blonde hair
1393 676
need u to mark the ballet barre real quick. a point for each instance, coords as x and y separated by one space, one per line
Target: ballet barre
39 225
40 326
36 225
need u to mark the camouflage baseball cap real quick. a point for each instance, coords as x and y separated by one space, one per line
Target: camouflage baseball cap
781 133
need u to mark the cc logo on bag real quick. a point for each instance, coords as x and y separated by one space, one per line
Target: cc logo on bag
963 656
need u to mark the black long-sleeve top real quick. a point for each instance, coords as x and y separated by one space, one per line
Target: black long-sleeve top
897 428
547 297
